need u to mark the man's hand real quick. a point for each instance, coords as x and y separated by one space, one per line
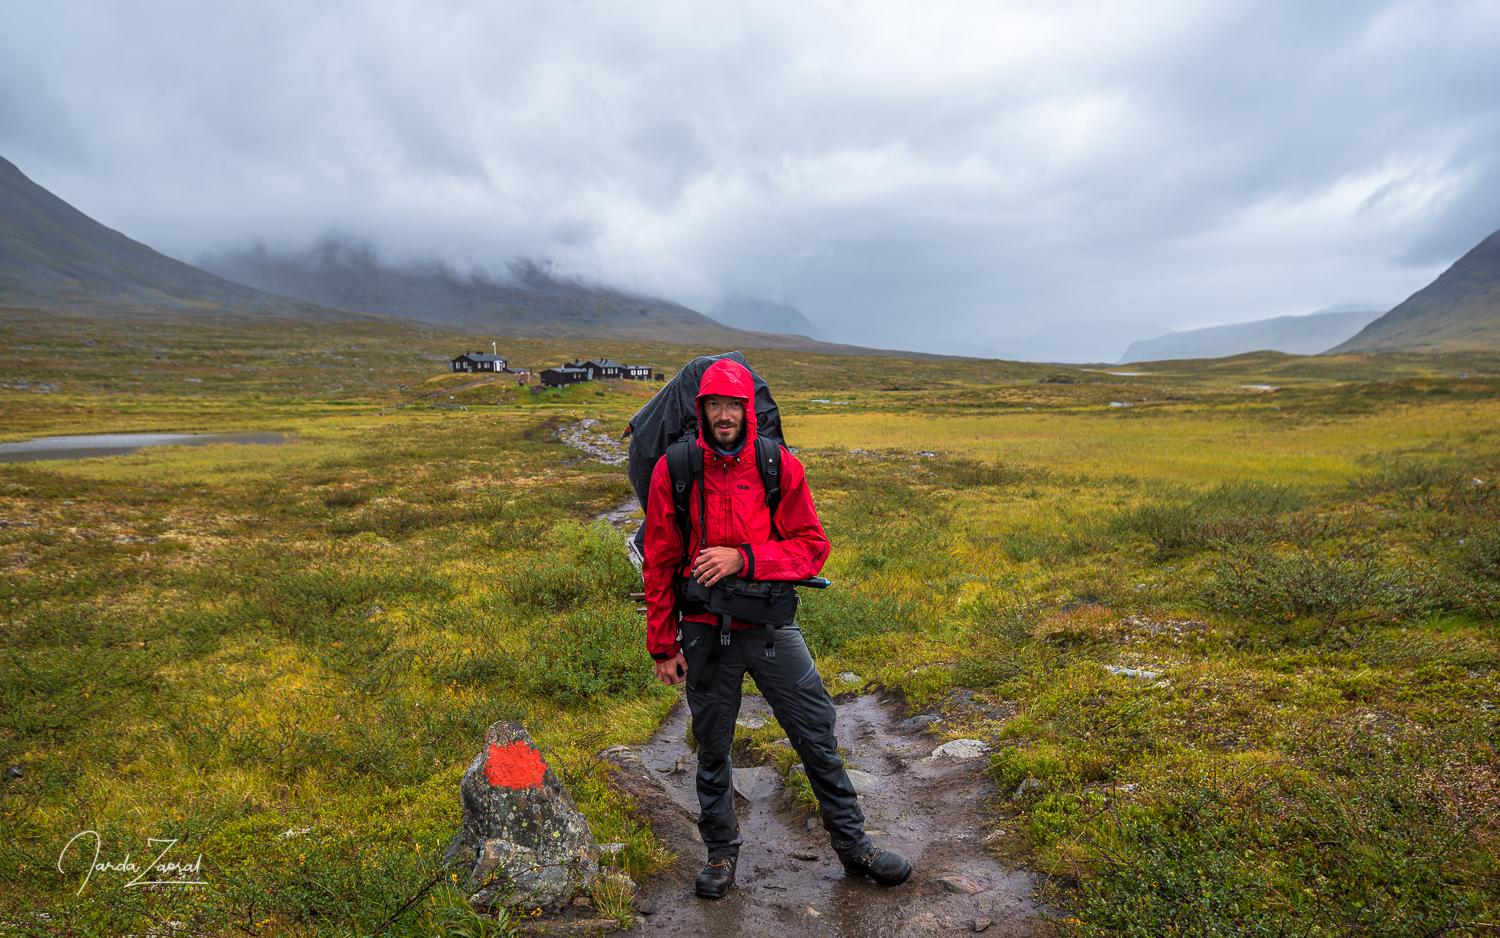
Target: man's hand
715 563
673 670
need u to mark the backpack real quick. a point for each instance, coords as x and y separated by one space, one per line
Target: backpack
672 417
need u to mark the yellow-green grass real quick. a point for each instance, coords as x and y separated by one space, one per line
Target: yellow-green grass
225 644
1170 444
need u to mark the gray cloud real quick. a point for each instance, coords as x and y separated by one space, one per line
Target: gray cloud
940 172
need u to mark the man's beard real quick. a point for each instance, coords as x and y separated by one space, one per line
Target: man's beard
734 443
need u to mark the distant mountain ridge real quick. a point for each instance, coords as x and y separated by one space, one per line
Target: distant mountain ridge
54 257
530 303
1457 312
759 316
1296 335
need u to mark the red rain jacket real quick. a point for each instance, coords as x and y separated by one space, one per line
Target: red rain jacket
794 547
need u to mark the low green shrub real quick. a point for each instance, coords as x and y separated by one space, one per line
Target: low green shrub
1230 513
592 567
1002 629
1026 546
588 654
392 521
52 694
322 598
1339 589
831 619
1372 847
475 669
346 498
967 473
1480 554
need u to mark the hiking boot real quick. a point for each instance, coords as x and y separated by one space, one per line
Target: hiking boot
884 867
716 878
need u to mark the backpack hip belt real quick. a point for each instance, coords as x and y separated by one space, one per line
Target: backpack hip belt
769 603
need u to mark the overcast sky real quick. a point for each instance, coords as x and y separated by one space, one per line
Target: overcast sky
931 171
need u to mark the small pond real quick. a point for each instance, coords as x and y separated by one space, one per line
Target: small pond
120 444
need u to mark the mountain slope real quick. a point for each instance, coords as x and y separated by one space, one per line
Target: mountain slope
531 303
758 316
1295 335
1459 311
54 257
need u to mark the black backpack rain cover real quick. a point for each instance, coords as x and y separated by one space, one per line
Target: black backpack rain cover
672 415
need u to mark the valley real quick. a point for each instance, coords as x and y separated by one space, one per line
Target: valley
1231 649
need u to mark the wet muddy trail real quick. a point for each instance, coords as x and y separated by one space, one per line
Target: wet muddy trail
789 882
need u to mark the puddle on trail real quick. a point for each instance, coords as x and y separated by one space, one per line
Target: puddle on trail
121 444
924 809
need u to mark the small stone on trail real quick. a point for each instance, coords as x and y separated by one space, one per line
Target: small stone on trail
961 884
849 677
751 721
812 823
682 765
863 782
961 749
646 907
980 924
804 855
755 782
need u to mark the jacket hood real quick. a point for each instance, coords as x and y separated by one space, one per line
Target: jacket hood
730 378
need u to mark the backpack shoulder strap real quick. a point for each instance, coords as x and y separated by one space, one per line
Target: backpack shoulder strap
685 468
768 461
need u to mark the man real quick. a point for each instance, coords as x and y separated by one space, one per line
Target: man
742 539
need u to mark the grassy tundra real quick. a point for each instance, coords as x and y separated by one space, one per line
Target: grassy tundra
282 658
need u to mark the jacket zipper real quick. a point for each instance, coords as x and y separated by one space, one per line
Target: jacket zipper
728 517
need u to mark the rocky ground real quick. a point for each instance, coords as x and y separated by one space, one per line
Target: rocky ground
594 443
789 881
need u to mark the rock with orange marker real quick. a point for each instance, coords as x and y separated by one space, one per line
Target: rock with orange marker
523 841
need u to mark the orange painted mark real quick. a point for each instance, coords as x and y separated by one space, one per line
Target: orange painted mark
515 765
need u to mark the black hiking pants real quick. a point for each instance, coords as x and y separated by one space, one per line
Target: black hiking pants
792 687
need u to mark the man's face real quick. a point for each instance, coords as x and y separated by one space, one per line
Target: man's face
725 419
